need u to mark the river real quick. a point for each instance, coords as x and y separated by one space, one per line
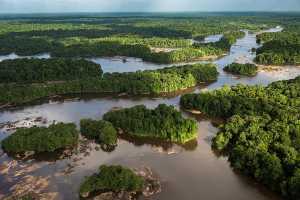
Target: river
196 171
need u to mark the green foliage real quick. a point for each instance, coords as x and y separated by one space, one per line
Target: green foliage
41 139
53 69
102 129
166 79
241 68
199 38
154 183
280 47
163 122
197 49
262 129
112 178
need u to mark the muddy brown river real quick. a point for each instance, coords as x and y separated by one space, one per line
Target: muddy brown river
190 171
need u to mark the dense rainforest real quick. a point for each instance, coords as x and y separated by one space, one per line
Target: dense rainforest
166 79
279 47
41 139
111 178
34 70
163 122
241 68
93 34
262 132
102 129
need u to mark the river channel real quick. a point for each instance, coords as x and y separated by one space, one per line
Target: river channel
196 171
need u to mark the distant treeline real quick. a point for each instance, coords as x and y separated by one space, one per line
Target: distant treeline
163 122
262 130
34 70
41 139
280 47
166 79
241 68
33 34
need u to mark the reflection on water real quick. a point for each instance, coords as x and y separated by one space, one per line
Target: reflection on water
196 171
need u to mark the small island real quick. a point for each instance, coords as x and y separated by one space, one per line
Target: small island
163 122
102 129
120 179
241 68
41 139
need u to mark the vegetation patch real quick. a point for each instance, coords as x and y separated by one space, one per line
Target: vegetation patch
241 68
112 178
41 139
102 129
163 122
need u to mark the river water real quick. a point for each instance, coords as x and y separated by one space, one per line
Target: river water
196 171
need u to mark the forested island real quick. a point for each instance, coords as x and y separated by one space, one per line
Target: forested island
197 50
241 68
102 129
166 79
163 122
41 139
262 130
279 47
34 70
111 178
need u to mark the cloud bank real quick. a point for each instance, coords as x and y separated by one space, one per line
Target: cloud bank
40 6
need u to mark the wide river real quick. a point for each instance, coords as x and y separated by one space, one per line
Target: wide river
196 171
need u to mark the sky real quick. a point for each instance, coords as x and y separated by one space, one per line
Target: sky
48 6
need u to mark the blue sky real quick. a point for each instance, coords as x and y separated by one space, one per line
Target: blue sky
40 6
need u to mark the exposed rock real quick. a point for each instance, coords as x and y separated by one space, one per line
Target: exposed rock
107 196
97 148
2 155
4 166
69 169
119 130
28 168
28 186
171 152
116 108
68 152
36 196
75 160
122 94
28 153
152 186
158 149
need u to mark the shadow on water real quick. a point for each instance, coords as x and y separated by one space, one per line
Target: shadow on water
157 142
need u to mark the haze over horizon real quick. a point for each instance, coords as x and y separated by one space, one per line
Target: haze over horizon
48 6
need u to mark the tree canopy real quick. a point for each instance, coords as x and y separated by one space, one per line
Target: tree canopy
102 129
41 139
163 122
262 130
112 178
